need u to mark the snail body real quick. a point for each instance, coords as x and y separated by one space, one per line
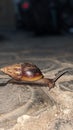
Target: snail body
29 73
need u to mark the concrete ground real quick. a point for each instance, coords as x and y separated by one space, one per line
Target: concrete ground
29 47
51 54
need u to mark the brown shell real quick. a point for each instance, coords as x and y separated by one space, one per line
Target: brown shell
23 72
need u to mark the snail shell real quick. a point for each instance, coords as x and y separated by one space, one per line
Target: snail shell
23 72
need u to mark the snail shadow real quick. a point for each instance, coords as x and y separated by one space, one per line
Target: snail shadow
34 84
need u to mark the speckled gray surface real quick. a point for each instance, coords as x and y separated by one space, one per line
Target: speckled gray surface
51 54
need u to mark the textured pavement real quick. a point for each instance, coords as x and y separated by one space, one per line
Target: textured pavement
51 54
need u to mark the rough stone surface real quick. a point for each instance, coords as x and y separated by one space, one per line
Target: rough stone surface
26 107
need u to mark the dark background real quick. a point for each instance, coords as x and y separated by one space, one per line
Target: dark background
39 28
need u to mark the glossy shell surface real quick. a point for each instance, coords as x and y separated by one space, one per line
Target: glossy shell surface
23 72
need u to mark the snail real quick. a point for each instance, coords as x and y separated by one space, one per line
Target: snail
29 73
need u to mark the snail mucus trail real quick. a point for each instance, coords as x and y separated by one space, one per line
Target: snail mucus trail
27 73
